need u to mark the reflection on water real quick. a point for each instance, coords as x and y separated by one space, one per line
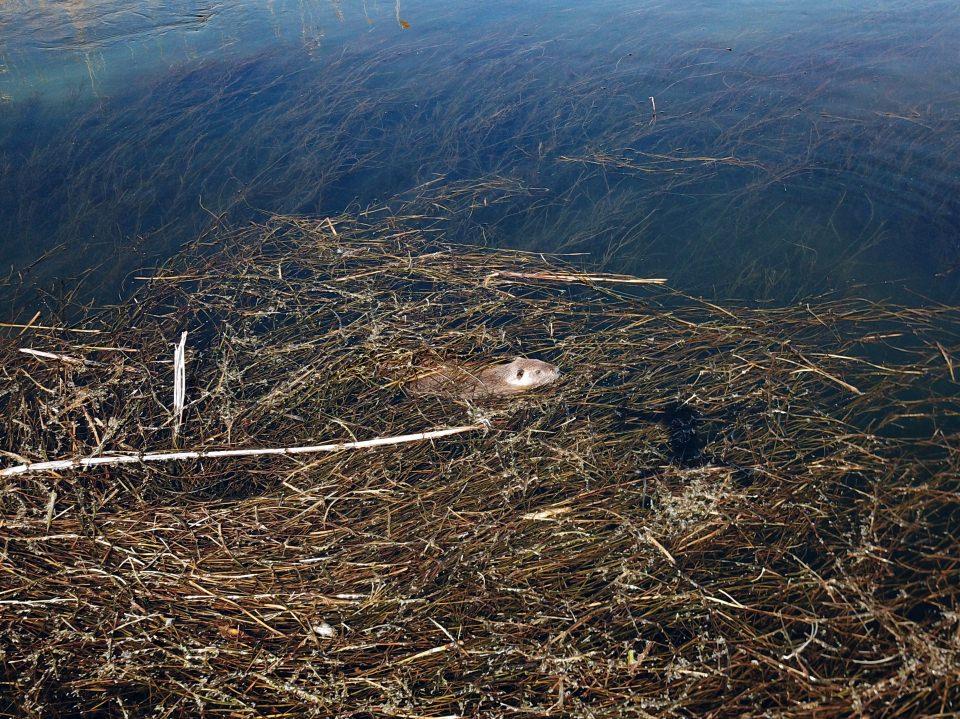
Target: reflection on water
749 149
57 46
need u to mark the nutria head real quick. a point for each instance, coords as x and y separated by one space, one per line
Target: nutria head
526 374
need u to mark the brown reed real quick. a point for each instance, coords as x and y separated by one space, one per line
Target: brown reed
718 511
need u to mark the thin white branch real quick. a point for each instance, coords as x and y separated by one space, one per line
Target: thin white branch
179 382
211 454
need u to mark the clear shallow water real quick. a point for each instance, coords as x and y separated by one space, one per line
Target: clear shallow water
797 147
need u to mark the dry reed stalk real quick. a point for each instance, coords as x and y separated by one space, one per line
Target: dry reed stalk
584 278
701 518
179 382
83 462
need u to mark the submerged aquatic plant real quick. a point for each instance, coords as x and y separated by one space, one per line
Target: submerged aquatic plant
777 170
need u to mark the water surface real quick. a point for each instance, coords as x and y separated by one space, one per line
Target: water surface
797 147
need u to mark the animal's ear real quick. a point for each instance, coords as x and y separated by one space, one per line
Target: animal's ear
518 358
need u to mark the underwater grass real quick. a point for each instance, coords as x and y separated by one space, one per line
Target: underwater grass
718 510
758 177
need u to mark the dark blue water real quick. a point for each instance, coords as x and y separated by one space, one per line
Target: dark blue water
797 148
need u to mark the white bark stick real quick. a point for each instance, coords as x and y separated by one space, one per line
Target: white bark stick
179 382
214 453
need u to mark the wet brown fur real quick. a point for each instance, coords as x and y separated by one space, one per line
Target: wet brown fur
479 381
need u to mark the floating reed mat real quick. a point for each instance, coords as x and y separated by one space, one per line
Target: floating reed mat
716 511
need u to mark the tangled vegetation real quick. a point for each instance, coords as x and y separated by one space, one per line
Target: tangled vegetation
717 511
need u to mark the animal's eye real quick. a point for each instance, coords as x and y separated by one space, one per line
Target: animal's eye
539 371
519 373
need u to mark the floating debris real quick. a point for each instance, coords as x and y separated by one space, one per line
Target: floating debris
719 510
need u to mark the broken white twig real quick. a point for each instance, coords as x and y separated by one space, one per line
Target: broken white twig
179 382
215 453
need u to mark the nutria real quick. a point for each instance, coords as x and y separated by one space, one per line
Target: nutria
499 380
